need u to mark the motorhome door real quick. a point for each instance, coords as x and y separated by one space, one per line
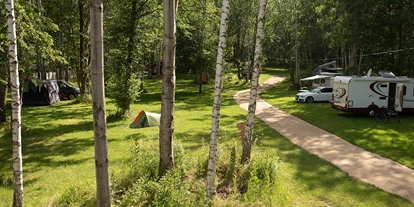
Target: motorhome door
399 97
391 96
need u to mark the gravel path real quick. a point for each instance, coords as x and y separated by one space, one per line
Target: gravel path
366 166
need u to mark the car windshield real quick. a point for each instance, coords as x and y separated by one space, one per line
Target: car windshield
315 90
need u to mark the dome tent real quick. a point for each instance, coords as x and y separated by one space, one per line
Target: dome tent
146 119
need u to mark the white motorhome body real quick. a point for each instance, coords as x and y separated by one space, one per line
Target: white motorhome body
368 94
324 75
320 80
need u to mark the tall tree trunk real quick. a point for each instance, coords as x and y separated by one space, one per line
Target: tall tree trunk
158 65
168 87
40 59
200 82
103 193
247 143
59 69
16 106
360 61
218 86
343 57
81 75
296 48
130 52
3 94
67 73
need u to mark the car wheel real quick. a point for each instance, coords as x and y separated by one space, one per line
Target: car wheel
309 99
371 112
71 96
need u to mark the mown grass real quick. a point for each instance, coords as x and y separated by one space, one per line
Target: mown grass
392 139
58 150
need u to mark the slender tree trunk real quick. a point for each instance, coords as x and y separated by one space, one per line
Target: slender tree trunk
103 193
168 87
360 61
158 65
130 56
218 86
343 57
3 94
296 48
247 143
59 69
16 106
81 74
67 73
200 81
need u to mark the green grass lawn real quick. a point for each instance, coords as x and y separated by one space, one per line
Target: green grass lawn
58 146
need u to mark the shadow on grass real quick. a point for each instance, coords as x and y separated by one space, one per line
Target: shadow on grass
6 156
316 173
42 114
44 144
41 146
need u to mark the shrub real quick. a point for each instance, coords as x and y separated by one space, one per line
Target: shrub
143 165
76 196
141 186
261 183
170 190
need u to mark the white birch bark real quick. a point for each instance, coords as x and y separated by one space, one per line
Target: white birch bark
16 106
168 87
248 135
98 104
218 86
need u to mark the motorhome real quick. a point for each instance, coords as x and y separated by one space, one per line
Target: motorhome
323 75
368 94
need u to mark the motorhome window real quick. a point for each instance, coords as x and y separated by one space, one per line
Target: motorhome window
383 86
383 98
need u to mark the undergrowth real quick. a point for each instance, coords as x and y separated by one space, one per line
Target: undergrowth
139 184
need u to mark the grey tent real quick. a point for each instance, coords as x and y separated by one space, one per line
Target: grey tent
45 92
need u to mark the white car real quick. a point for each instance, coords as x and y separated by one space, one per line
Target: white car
316 94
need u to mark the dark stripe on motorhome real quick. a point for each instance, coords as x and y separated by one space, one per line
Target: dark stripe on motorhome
375 88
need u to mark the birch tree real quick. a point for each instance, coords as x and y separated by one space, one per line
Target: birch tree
218 86
247 143
98 104
168 87
16 106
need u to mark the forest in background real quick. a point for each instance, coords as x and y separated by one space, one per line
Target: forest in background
53 36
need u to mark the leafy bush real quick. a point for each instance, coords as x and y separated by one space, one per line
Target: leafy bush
142 165
262 172
141 186
126 91
170 190
76 196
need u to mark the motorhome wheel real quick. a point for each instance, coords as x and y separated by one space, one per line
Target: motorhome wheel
371 112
